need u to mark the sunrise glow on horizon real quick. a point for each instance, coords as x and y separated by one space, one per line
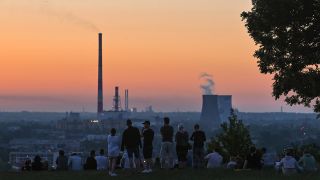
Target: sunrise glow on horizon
155 48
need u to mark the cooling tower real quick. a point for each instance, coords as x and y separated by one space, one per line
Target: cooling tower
225 106
210 110
100 85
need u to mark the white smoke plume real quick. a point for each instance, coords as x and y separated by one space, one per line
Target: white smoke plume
66 16
207 86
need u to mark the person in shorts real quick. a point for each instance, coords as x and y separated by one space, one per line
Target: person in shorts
113 151
166 151
147 135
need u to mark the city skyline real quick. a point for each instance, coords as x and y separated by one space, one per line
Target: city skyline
156 49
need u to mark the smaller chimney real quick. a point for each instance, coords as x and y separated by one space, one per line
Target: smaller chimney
116 100
126 100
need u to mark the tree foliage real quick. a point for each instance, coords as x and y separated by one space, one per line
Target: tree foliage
288 35
234 139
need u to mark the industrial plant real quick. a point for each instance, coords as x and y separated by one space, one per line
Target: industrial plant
215 108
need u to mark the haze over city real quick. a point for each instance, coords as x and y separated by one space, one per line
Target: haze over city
156 49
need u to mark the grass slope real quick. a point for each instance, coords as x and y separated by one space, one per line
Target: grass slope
188 174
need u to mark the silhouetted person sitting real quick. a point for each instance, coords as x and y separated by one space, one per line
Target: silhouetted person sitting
240 162
308 162
91 163
232 164
62 161
102 161
289 164
214 159
27 165
253 160
37 164
75 162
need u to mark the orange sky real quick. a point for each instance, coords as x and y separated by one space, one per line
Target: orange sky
155 48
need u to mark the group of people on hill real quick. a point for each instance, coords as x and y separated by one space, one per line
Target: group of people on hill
35 165
133 141
131 144
289 165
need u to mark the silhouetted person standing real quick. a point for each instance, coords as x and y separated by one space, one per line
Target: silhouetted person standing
182 146
253 160
131 142
166 151
198 137
91 162
148 135
27 165
37 164
62 161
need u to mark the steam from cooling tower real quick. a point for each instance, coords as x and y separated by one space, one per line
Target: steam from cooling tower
207 85
67 17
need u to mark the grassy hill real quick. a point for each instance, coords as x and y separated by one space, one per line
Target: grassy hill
188 174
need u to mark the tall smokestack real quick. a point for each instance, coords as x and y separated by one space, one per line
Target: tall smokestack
100 82
126 100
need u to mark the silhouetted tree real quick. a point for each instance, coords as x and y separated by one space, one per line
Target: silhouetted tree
234 139
288 35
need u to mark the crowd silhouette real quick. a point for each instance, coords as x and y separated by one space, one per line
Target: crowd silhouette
125 152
